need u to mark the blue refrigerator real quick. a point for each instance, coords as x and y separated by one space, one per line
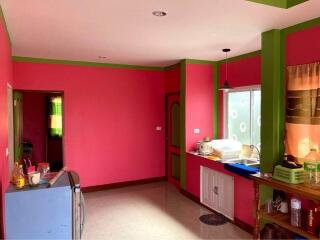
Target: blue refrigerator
43 212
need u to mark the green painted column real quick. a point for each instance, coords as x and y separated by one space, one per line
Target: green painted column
183 124
272 100
216 100
272 104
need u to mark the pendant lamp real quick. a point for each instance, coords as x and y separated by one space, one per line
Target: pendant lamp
226 87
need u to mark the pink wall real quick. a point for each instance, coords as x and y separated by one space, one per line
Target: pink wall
303 47
244 72
35 123
199 103
243 188
110 118
172 79
5 78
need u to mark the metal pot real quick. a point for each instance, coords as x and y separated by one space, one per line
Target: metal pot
205 148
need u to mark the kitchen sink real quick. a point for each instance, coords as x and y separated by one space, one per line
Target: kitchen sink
248 162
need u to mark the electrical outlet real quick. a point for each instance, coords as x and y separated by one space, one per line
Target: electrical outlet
196 130
158 128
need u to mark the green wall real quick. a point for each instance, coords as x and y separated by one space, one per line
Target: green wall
279 3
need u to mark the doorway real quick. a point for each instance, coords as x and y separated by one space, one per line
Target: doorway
38 128
173 138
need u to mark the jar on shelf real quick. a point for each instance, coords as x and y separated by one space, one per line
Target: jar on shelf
295 212
312 169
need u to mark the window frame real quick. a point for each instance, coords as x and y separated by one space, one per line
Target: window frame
250 89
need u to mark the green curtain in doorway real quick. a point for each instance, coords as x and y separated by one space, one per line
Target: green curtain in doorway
55 117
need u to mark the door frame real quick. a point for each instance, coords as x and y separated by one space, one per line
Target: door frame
61 92
166 139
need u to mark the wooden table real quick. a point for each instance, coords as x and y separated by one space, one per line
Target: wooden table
281 219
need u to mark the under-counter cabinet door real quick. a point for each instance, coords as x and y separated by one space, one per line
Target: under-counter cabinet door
205 191
207 196
226 195
217 191
208 187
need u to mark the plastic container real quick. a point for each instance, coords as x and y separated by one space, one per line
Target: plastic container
295 212
312 169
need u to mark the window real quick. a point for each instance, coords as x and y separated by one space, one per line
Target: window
243 115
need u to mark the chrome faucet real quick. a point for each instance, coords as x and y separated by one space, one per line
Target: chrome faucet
257 149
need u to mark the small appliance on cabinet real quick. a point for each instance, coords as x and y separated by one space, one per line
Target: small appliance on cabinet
55 212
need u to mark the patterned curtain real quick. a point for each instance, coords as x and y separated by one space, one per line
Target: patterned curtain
55 118
303 110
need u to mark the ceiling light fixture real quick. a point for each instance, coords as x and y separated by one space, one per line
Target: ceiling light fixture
159 13
226 87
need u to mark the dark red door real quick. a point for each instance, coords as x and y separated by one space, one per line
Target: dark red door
173 138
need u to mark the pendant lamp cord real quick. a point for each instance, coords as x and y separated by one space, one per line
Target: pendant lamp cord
226 66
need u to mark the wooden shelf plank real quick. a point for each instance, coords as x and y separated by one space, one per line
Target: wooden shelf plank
296 189
283 220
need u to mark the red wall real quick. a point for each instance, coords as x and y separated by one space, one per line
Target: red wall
199 103
5 78
110 116
244 72
35 123
172 79
303 47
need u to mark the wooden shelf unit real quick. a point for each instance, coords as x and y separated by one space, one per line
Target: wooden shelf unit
282 220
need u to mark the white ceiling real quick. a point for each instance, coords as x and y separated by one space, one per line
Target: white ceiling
126 32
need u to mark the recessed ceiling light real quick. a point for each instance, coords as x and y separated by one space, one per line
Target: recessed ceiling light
159 13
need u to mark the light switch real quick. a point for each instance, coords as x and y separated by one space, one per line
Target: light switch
196 130
158 128
7 152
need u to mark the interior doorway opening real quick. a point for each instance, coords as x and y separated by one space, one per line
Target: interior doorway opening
38 128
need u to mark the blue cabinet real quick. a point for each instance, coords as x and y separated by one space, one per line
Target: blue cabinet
39 212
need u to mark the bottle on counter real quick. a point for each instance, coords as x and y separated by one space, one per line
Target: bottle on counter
312 169
15 172
20 180
295 212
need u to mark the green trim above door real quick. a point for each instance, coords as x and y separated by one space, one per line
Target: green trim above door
279 3
301 26
83 63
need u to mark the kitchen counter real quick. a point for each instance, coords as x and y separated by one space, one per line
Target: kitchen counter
250 162
62 181
243 187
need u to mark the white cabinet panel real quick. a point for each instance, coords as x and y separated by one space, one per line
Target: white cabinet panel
217 191
226 195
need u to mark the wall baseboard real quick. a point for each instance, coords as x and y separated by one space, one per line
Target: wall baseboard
122 184
239 223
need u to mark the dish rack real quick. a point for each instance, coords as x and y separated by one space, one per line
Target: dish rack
288 175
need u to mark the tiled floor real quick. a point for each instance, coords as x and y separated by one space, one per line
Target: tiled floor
150 211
